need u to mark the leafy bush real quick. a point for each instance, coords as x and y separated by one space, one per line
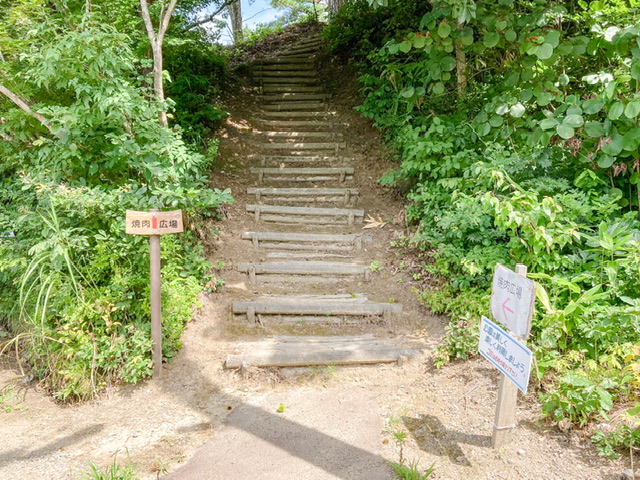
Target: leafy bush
197 75
515 126
75 290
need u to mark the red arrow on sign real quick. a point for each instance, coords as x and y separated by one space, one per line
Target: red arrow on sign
506 309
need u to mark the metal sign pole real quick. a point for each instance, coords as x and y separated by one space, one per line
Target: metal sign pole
156 302
505 419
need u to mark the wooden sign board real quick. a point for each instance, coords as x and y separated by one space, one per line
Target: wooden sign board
153 223
512 298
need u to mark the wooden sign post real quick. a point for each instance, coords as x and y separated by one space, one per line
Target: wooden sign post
155 223
512 298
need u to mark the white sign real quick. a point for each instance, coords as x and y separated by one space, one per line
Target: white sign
506 353
512 298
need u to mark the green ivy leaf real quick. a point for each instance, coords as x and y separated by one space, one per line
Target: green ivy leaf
592 106
438 88
605 161
517 110
407 92
565 131
544 51
491 39
447 64
616 110
594 129
496 121
574 121
612 145
632 109
405 46
419 42
444 30
548 123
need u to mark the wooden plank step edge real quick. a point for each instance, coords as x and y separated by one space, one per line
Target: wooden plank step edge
301 359
304 210
333 307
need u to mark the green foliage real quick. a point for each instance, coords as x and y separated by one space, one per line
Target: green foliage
410 471
75 289
197 74
112 472
516 129
612 444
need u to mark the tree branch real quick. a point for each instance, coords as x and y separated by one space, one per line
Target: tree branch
24 106
144 10
209 18
165 19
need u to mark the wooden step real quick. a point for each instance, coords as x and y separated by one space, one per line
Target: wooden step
305 351
285 160
291 106
291 115
306 241
295 97
292 89
314 306
284 73
343 196
309 125
302 61
305 255
284 66
334 146
303 268
341 173
305 215
286 81
310 50
298 135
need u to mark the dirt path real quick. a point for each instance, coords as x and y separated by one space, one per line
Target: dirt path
361 411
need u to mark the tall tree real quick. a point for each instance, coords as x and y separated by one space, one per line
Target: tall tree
157 40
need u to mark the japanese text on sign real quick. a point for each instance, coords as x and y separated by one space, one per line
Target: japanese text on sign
512 298
154 223
506 353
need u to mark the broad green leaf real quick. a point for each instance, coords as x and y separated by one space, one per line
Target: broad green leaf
525 95
576 381
447 64
444 29
635 70
407 92
612 145
438 88
483 129
563 79
517 110
466 40
393 49
544 51
635 178
552 37
592 106
631 140
419 41
544 98
565 131
594 129
502 109
510 35
632 109
548 123
605 161
501 24
616 110
405 46
491 39
496 121
574 121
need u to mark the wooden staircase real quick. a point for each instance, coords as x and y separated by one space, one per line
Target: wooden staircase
307 228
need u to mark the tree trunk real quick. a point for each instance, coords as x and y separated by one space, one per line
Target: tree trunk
235 12
461 66
334 6
156 46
